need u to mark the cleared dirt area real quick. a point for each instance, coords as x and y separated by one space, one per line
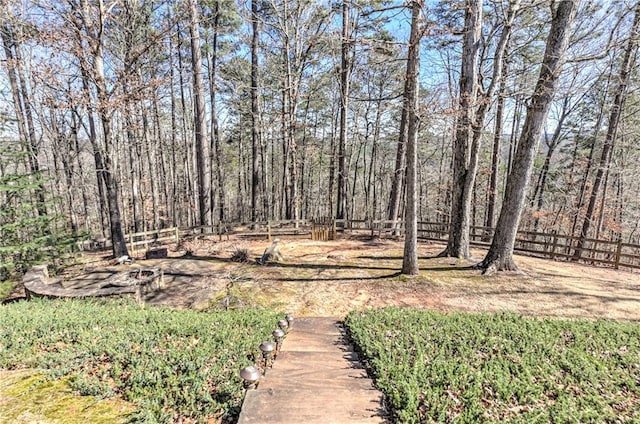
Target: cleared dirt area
332 278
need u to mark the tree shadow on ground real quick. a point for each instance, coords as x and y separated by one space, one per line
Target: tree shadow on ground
286 264
444 267
563 293
378 277
330 266
399 258
449 268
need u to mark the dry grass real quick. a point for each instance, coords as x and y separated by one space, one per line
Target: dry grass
332 278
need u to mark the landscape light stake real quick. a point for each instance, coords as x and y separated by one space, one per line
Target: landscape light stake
278 336
267 348
250 376
284 325
289 318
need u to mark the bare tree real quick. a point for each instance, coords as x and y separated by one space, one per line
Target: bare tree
89 24
612 128
345 72
255 114
200 124
22 103
458 242
410 257
500 254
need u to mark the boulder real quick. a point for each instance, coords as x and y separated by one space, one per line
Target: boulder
271 254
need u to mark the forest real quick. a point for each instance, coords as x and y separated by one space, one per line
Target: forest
120 116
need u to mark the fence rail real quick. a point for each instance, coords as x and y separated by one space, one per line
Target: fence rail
152 238
547 245
554 246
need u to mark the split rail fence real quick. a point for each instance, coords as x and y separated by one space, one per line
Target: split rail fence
554 246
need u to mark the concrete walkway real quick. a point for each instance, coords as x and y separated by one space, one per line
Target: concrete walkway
315 379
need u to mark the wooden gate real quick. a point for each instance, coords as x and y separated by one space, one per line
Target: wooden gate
323 229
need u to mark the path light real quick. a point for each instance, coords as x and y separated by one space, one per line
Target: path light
283 324
267 353
289 318
278 335
250 376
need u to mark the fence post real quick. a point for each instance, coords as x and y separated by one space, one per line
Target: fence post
618 253
177 235
554 245
268 230
133 248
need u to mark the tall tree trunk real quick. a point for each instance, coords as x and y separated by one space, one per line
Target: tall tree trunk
204 186
255 114
22 104
592 151
173 200
552 145
146 150
500 254
240 202
285 204
495 156
104 156
410 256
161 192
497 80
188 212
76 122
265 183
11 65
345 68
603 205
399 170
134 164
332 168
119 246
62 148
612 128
215 144
458 243
372 173
96 150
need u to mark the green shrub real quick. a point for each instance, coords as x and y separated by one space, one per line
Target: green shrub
240 254
500 367
173 364
30 230
5 289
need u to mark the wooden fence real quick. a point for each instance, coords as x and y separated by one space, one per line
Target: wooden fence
152 238
258 229
323 229
555 246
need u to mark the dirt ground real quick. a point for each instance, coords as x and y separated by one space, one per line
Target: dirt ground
332 278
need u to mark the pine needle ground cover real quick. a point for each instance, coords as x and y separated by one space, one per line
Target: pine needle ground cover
173 365
500 367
